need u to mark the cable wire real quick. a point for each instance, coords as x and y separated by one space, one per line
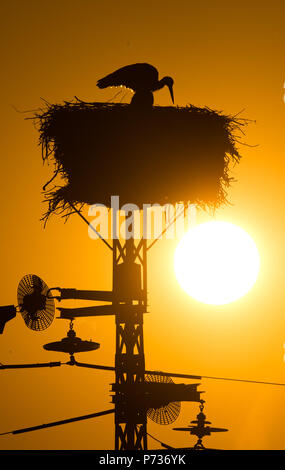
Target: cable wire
200 377
161 443
244 380
183 376
58 423
30 366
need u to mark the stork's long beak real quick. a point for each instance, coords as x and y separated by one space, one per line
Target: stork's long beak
171 92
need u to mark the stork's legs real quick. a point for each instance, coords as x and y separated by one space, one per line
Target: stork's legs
142 99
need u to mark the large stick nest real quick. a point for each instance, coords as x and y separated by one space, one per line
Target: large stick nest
160 155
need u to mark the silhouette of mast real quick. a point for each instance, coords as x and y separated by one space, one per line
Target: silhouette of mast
130 290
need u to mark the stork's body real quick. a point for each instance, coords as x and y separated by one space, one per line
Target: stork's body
141 78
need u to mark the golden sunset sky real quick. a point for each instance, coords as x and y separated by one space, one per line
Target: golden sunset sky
228 56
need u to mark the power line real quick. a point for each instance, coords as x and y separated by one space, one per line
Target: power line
153 372
58 423
183 376
199 377
162 443
29 366
244 380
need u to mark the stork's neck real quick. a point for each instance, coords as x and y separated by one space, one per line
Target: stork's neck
160 84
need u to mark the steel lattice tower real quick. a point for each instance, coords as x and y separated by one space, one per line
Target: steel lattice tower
130 302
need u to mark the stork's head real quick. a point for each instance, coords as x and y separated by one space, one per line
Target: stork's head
168 81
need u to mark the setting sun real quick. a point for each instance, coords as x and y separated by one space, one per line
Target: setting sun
216 262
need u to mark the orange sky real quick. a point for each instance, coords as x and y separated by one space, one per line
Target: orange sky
228 56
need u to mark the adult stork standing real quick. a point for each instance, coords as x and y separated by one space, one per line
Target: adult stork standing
142 78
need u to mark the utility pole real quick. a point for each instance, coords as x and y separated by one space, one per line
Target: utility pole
130 302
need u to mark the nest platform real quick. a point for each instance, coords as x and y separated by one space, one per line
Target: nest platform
158 155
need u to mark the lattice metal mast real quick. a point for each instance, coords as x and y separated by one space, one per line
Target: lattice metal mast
130 302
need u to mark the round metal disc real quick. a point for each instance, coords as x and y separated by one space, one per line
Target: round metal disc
165 414
36 307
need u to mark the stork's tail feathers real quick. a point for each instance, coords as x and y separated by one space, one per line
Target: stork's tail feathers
102 83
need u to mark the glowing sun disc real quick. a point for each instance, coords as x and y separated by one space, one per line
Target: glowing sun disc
216 262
